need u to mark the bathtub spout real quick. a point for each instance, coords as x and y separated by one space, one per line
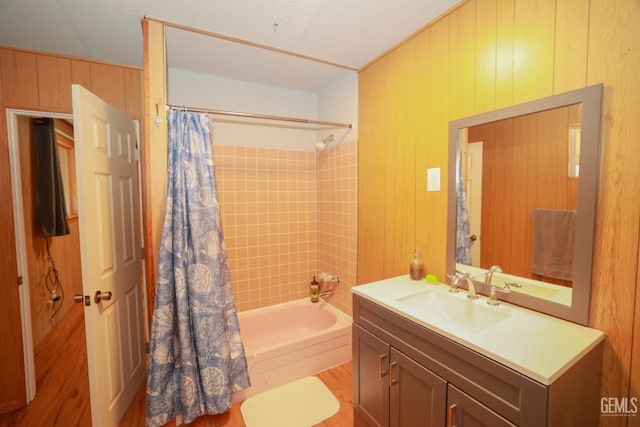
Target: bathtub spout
333 283
327 294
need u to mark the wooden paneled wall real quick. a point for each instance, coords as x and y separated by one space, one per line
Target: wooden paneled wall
487 54
42 82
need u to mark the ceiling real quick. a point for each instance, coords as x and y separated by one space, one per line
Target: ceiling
350 33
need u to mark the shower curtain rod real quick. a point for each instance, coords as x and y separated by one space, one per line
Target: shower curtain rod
261 116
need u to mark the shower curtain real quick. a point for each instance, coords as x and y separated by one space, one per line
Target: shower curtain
196 357
463 233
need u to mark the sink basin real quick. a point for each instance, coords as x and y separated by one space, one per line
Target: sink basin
454 309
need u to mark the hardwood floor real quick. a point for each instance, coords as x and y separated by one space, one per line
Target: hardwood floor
337 379
62 384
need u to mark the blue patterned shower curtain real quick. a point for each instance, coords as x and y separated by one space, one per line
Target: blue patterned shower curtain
196 358
463 233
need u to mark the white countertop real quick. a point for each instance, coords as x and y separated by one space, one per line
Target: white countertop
539 346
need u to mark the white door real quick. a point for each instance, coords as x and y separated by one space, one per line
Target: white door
474 198
107 173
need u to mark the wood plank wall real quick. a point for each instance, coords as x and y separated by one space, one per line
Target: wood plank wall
37 81
487 54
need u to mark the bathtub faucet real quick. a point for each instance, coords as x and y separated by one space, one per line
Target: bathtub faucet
328 285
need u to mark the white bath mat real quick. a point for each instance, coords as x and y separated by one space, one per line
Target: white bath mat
300 403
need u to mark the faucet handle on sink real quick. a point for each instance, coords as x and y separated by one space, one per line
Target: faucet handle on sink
508 285
455 281
493 293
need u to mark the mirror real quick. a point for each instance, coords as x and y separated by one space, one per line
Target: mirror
531 180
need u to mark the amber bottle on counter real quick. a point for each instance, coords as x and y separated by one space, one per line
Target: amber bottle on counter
315 290
416 267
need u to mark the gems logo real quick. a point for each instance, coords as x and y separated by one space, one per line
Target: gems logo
620 407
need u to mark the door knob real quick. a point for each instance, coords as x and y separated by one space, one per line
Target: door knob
101 296
86 299
473 237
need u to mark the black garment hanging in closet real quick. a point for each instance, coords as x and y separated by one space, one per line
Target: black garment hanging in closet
51 211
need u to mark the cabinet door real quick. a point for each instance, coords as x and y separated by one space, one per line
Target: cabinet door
464 411
370 379
417 395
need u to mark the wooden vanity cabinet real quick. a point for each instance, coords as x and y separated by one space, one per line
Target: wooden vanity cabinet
407 375
370 367
393 389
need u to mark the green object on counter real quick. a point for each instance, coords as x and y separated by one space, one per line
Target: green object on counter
431 278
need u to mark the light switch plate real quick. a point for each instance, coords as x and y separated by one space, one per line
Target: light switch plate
433 179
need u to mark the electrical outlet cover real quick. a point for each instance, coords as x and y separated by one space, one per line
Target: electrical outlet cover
433 179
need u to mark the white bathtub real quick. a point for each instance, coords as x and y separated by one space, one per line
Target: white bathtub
288 341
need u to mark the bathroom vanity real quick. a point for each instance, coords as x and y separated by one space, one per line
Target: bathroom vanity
423 356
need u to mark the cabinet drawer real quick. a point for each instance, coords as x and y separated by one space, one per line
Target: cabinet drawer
507 392
464 410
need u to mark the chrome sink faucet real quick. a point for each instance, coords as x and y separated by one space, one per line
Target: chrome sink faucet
493 293
455 281
494 290
455 284
489 275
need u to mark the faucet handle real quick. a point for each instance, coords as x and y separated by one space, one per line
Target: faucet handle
508 285
454 276
493 293
455 281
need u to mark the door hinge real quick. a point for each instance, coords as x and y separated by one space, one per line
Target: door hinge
143 253
19 280
146 347
136 155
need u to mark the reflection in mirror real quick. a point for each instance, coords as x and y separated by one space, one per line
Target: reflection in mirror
523 159
522 196
574 150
